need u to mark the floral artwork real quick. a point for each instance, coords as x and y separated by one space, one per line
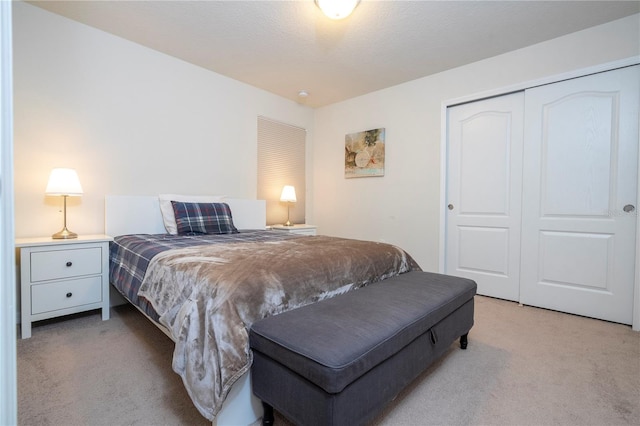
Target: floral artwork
364 154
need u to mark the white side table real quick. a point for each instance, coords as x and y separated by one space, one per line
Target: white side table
62 277
301 229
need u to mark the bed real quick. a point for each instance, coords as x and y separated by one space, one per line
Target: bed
205 291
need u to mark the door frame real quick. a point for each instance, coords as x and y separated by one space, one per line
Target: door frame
8 361
634 60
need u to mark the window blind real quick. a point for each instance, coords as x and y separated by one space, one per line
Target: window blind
281 161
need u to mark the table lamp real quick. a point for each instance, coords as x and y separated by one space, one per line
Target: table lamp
64 183
288 196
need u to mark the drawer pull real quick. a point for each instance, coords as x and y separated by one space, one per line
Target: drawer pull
69 294
69 264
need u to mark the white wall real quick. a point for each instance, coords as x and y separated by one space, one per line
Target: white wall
134 121
130 120
403 207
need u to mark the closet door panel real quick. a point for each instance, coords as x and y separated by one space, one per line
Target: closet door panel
580 171
483 195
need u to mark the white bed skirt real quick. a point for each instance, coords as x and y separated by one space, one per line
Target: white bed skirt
241 407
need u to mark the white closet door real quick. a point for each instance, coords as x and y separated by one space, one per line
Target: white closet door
579 186
484 194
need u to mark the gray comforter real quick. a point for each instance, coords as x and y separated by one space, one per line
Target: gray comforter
208 297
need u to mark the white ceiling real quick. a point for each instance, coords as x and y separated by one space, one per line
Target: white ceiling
287 46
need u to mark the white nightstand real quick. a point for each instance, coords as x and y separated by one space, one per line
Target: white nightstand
62 277
301 229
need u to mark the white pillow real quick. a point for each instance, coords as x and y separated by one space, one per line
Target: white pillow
169 218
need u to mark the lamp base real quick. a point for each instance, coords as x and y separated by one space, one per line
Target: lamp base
65 234
287 223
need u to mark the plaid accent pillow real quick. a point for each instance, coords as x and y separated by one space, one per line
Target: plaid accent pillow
203 218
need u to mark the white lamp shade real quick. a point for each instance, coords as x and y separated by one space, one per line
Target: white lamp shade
64 182
337 9
288 194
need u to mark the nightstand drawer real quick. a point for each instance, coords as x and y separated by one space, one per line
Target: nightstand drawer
65 294
299 229
56 264
311 231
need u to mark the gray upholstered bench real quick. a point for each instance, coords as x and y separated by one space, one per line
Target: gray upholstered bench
341 360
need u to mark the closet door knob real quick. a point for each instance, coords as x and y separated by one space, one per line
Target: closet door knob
450 206
629 208
69 294
69 264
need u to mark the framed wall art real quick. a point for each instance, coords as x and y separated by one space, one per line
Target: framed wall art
364 153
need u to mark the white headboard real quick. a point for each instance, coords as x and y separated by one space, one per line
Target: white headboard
132 214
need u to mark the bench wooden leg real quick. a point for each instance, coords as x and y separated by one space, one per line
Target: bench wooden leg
267 417
464 341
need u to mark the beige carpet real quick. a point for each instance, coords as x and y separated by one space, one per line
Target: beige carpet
524 366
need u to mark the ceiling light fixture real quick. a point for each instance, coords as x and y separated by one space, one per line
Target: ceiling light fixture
337 9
